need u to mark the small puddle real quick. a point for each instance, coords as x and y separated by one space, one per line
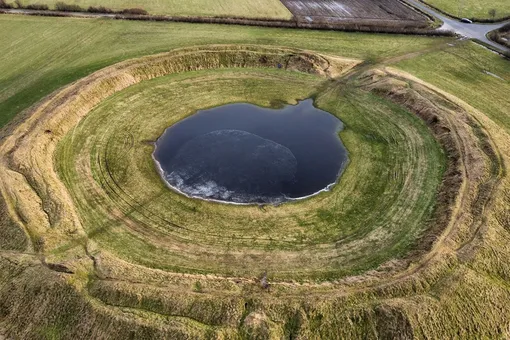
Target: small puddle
246 154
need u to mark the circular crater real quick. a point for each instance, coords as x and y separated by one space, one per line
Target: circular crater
244 154
112 192
384 196
93 169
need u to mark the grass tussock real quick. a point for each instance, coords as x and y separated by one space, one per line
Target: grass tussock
99 9
63 7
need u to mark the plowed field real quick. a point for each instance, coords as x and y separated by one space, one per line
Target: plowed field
368 11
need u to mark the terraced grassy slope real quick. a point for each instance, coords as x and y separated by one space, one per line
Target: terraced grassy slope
415 234
245 241
240 8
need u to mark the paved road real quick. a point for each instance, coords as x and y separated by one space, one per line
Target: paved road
473 31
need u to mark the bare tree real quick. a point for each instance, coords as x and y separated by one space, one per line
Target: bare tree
492 12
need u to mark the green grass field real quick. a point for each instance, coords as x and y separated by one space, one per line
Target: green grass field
390 252
476 9
240 8
45 54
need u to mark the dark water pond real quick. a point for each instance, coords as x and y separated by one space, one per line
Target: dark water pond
246 154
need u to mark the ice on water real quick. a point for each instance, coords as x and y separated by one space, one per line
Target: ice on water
233 165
